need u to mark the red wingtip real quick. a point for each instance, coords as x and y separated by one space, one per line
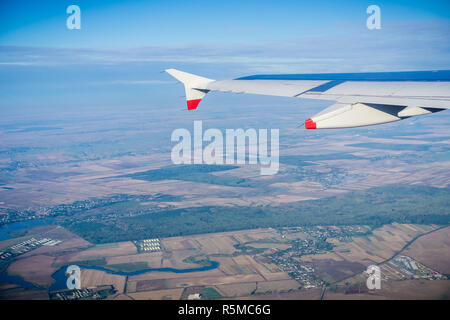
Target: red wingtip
193 104
309 124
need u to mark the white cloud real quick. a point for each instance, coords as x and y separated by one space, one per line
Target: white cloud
416 45
131 82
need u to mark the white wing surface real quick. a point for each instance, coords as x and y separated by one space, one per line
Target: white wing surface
360 99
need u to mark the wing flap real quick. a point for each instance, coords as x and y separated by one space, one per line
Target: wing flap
343 115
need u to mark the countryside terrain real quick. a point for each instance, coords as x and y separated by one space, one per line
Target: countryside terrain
87 187
322 262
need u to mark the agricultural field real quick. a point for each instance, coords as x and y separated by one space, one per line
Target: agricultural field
282 263
432 249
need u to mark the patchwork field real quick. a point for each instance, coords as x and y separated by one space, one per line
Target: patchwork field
93 278
247 266
37 269
433 250
407 289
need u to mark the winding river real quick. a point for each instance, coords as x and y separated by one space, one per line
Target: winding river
60 275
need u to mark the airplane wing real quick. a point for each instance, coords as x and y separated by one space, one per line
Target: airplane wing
361 99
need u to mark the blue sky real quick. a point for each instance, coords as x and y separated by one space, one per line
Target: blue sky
117 56
152 23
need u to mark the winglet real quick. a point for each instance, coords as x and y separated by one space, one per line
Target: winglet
195 86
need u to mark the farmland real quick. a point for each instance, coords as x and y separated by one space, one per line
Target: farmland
262 263
104 184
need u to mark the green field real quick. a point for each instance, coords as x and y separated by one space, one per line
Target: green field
210 293
196 173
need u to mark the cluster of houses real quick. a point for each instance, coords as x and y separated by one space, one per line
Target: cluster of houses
25 246
148 245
